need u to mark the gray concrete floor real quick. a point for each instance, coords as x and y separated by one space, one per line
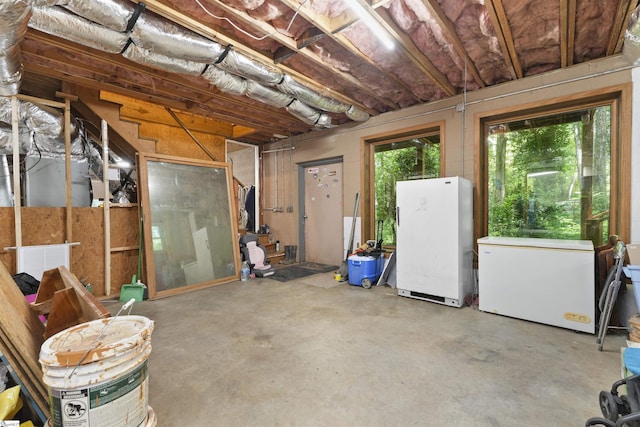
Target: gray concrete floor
315 352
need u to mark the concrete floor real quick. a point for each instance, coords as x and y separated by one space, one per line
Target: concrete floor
315 352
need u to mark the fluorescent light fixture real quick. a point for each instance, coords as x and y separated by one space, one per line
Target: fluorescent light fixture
366 17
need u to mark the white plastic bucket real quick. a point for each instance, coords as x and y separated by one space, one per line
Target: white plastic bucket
97 374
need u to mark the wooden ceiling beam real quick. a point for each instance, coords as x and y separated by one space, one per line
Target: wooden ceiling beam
571 29
144 111
450 31
208 32
415 55
564 24
326 26
619 27
503 32
184 88
258 122
346 19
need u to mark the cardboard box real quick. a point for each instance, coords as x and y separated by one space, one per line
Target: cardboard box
633 249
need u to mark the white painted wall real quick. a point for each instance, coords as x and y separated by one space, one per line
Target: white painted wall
635 159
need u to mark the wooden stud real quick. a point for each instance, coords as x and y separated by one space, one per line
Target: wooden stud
107 200
17 204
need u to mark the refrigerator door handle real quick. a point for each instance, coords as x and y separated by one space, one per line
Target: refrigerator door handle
397 216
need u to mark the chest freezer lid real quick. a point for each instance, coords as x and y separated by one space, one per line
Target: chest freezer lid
576 245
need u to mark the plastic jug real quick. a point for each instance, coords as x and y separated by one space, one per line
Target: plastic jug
245 271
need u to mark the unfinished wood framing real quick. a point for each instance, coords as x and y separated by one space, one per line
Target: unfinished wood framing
45 226
66 301
21 336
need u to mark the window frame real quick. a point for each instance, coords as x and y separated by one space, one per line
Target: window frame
618 98
368 148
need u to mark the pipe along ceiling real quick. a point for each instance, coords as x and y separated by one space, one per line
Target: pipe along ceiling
122 27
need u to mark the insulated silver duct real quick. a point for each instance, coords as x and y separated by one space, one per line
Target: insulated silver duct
243 66
164 37
6 193
311 97
14 15
6 140
77 29
306 113
267 95
226 82
113 14
108 25
41 131
356 114
162 62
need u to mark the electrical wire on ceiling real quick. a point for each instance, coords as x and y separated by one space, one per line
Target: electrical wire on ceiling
246 33
118 27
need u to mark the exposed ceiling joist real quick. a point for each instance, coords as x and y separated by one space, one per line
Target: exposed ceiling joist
616 36
441 48
503 32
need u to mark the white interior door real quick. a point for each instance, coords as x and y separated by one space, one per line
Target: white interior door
323 210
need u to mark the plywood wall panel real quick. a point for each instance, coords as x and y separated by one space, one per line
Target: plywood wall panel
124 226
181 145
87 259
124 233
43 226
7 239
123 266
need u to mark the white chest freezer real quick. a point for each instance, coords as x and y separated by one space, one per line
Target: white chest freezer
543 280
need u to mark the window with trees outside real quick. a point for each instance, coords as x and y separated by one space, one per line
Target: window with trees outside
549 176
399 158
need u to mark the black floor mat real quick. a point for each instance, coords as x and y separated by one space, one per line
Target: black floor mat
303 269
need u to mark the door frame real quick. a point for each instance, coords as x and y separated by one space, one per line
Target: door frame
256 174
301 197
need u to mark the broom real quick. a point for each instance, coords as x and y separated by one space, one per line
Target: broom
344 265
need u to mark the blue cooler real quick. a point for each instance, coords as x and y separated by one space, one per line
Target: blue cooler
364 270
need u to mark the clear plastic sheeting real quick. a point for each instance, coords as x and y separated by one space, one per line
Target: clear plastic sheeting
163 62
243 66
310 96
226 82
79 30
113 14
164 37
14 15
267 95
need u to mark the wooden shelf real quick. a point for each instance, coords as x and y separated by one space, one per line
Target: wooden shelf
275 255
125 248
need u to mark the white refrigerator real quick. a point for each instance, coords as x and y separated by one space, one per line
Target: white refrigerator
434 241
548 281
